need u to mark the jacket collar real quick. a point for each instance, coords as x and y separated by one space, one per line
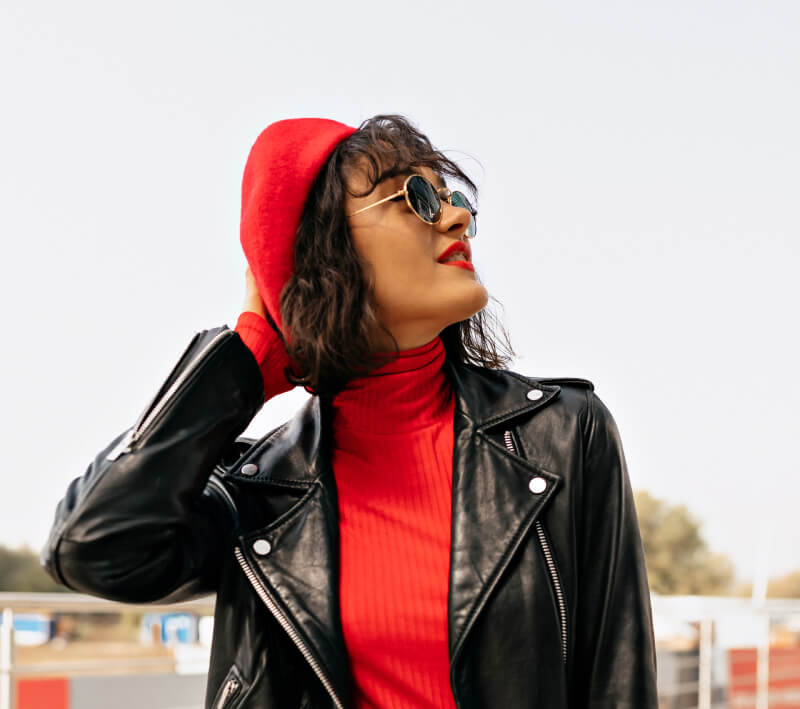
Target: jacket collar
485 400
492 509
488 398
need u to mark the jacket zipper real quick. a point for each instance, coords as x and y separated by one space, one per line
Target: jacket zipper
150 413
548 556
281 618
230 690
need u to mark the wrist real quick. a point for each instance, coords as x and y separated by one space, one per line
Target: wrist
268 350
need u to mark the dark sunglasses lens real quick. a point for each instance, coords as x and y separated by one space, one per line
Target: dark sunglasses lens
424 199
459 199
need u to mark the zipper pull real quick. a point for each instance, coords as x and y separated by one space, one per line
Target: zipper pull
123 446
231 687
162 399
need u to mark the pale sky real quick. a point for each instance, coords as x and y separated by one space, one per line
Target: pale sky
638 168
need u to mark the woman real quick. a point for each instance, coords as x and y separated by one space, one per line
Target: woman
430 529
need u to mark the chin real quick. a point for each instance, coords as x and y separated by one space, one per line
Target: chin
481 298
474 303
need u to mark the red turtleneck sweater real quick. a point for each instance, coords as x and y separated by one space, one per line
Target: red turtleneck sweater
393 464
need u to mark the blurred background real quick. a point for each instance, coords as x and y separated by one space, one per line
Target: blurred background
638 174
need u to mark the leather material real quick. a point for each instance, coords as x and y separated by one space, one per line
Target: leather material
193 507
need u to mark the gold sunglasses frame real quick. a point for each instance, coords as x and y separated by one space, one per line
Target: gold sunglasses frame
448 197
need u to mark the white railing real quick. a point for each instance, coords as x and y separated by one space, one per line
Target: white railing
12 603
708 615
723 623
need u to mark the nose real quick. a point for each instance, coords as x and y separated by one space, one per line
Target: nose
454 221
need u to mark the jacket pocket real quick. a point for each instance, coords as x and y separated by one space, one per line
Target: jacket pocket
231 690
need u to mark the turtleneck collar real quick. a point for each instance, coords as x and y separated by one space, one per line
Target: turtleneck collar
407 393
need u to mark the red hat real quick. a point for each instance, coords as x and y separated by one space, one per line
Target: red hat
281 167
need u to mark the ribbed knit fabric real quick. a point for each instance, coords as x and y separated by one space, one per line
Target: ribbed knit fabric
393 461
268 350
393 464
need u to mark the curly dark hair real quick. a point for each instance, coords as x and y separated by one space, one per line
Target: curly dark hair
328 305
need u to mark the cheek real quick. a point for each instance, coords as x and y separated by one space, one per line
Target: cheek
396 256
403 260
403 276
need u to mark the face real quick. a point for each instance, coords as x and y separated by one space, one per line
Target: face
417 297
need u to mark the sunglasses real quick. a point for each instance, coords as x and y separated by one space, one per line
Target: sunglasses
425 200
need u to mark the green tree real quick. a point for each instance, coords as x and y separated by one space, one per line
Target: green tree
677 557
784 586
21 571
787 586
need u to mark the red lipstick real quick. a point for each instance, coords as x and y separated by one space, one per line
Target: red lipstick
463 264
456 247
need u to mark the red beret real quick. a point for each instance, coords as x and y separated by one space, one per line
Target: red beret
281 167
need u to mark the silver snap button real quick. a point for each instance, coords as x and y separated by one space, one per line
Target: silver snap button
537 485
249 469
261 547
535 394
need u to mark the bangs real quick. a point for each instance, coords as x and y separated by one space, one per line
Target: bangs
387 146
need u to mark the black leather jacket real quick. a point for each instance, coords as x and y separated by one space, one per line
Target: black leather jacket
548 601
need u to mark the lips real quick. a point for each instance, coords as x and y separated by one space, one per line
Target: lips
458 248
462 264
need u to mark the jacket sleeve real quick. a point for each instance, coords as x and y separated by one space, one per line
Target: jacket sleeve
145 523
615 659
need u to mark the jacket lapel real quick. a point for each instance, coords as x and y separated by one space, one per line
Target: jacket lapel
301 568
492 509
493 506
